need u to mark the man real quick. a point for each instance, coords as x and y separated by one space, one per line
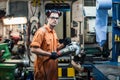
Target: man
45 45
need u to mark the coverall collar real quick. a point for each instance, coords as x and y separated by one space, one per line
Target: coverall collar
48 28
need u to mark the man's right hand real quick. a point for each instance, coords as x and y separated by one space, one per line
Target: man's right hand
54 55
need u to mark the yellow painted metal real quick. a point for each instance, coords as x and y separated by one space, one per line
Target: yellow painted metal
70 72
59 72
35 3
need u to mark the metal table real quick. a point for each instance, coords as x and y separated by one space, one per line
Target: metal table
107 71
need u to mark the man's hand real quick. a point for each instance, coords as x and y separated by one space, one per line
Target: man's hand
54 55
67 41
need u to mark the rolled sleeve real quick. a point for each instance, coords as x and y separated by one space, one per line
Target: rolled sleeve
37 39
35 44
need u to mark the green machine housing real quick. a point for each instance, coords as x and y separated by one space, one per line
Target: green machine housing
7 54
7 71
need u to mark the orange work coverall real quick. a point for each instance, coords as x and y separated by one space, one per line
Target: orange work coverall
45 68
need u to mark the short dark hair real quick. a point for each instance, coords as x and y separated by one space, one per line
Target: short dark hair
48 12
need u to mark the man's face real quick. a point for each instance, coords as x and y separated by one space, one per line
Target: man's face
53 19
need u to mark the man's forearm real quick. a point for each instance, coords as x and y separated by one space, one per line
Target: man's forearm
39 51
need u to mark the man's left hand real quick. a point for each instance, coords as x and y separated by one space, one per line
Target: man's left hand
54 55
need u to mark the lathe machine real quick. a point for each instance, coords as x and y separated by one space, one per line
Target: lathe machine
12 69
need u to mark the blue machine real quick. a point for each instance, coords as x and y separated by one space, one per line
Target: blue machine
116 30
109 70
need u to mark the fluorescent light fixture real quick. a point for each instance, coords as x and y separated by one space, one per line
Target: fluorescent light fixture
15 20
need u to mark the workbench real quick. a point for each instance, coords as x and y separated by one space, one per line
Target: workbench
106 71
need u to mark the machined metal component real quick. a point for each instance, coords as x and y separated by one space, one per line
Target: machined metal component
19 62
74 47
118 23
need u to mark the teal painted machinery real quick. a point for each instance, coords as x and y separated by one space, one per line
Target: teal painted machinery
12 69
7 71
4 51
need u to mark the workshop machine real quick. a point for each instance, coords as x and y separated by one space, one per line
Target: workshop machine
12 69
